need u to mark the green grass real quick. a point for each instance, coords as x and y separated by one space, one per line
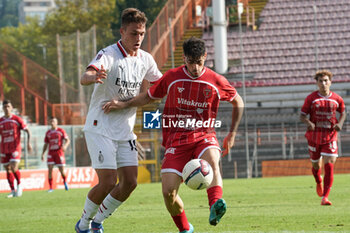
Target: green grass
287 204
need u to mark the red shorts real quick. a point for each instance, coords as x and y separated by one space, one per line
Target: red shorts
175 158
316 151
56 158
11 157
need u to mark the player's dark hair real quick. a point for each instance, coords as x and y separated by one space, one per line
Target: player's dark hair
322 73
194 48
133 15
6 102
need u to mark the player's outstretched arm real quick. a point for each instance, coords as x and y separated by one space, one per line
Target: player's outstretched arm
237 112
66 142
140 100
43 153
29 145
92 76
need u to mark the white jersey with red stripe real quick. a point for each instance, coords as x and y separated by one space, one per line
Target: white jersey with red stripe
189 100
322 111
54 138
10 131
124 77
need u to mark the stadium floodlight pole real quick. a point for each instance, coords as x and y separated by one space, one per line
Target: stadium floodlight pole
240 11
316 35
45 77
171 44
220 36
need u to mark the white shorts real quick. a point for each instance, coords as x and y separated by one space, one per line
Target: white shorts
106 153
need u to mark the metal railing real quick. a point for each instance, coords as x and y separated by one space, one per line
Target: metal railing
157 37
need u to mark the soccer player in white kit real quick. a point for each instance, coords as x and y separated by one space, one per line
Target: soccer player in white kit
120 71
195 91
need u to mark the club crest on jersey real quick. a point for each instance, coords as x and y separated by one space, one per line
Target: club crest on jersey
152 120
180 89
207 93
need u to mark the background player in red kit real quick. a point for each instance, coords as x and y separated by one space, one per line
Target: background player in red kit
10 131
193 92
57 140
322 127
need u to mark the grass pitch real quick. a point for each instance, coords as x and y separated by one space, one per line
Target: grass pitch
288 204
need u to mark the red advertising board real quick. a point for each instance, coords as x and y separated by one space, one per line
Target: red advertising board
76 177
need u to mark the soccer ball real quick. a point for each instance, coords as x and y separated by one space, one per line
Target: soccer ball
197 174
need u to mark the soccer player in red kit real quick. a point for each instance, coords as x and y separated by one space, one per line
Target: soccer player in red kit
322 128
10 131
57 140
193 94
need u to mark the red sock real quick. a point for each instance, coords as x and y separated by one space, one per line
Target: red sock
10 179
328 178
214 194
50 183
317 175
181 221
64 179
17 175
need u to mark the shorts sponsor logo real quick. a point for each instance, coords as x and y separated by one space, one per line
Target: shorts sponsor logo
211 140
311 148
170 150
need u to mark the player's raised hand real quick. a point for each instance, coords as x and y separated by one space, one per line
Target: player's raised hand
229 142
113 105
101 74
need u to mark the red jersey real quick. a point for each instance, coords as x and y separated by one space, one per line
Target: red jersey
10 131
322 111
54 137
192 104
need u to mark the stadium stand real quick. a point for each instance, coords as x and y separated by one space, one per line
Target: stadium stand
283 47
279 63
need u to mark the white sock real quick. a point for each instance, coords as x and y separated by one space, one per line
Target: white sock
106 209
90 210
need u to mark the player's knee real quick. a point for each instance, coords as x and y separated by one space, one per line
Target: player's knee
8 169
13 168
130 184
169 195
107 185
